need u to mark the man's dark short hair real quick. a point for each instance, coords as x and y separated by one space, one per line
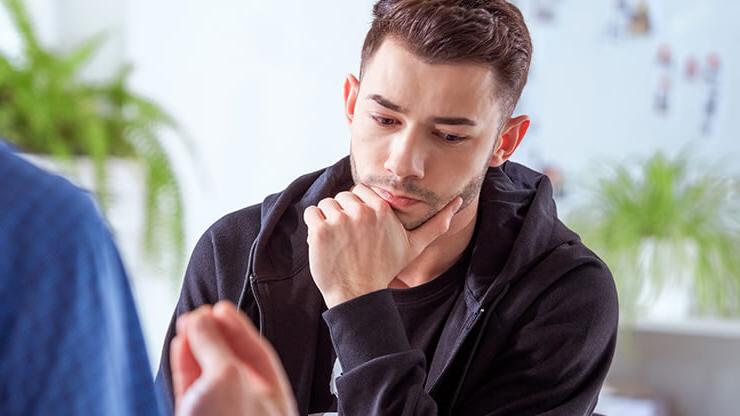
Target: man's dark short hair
487 32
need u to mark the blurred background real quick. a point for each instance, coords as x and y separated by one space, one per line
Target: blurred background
178 112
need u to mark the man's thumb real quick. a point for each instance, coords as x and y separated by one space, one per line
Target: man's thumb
421 237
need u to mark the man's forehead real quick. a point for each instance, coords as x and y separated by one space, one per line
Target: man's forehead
405 79
448 120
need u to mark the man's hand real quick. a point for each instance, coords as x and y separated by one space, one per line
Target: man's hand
221 366
357 245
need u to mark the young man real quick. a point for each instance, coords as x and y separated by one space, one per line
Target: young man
425 273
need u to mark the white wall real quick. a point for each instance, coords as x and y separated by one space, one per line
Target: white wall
257 85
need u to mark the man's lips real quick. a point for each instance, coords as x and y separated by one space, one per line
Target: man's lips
396 201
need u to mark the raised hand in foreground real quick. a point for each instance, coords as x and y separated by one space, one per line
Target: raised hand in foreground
221 366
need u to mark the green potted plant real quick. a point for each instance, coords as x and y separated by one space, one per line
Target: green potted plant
664 222
47 108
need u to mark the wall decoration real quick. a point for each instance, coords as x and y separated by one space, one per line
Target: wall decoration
629 19
711 77
693 72
640 21
661 102
691 69
543 11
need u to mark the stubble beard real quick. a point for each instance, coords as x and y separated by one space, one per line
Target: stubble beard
469 192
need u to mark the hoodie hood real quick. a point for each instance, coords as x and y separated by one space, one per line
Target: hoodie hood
516 226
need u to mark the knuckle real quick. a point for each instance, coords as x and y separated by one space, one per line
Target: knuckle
308 212
383 209
341 219
347 200
320 232
230 372
345 195
325 202
364 214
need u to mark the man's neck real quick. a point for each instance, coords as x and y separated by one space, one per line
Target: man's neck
444 252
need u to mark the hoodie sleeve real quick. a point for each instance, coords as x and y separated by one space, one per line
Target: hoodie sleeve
381 373
553 362
216 271
558 354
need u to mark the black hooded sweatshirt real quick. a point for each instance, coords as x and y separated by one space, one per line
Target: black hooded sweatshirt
533 331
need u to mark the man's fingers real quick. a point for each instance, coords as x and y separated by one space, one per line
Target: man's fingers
421 237
255 352
247 343
208 345
185 369
313 217
350 202
369 196
331 209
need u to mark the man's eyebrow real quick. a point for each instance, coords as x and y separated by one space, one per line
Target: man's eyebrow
452 121
386 103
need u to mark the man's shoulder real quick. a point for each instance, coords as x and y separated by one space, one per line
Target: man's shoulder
583 281
566 281
574 264
240 224
226 243
33 198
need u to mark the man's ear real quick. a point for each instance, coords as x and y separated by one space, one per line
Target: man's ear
510 137
351 89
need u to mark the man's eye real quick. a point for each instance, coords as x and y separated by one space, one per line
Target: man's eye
451 138
384 121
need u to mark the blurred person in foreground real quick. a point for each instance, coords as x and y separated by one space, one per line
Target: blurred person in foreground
71 341
425 273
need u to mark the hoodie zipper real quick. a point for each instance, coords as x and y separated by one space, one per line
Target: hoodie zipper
252 278
249 279
477 317
478 337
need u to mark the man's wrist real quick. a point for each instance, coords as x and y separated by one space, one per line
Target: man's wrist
365 328
341 296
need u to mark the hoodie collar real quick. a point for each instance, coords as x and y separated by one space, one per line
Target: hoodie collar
281 249
516 219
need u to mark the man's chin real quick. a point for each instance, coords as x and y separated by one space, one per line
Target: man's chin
412 220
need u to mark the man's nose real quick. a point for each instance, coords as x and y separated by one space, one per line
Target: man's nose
407 154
